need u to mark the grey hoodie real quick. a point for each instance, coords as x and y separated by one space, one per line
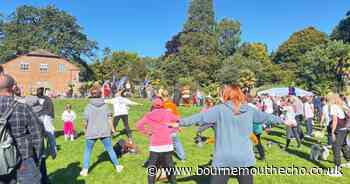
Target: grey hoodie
96 115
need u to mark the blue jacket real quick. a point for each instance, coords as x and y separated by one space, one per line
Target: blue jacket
233 147
258 128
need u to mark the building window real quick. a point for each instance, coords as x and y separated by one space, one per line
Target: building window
44 68
61 68
24 67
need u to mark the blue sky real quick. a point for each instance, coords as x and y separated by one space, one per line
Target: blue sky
144 26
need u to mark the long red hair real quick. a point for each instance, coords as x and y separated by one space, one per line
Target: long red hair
235 94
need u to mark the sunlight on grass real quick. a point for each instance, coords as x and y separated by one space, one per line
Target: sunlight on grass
65 169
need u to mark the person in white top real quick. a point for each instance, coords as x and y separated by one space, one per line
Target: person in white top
309 115
339 132
268 105
299 112
68 118
289 115
121 111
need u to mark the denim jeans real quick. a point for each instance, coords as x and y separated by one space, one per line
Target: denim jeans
107 143
51 141
309 126
43 170
50 134
179 149
28 172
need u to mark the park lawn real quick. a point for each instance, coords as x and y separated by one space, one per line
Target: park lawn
65 169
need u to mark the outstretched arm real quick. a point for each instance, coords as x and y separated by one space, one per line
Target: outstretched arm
129 102
262 117
211 116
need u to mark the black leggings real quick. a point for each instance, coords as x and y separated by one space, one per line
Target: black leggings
125 119
260 147
294 131
223 179
339 145
299 119
161 160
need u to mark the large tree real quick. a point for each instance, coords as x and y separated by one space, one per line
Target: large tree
228 36
290 52
298 44
201 16
342 30
270 72
195 48
30 28
49 28
121 63
235 68
255 51
326 66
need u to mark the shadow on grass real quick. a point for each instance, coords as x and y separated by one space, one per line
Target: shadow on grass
200 179
274 142
196 179
305 156
103 157
67 175
275 133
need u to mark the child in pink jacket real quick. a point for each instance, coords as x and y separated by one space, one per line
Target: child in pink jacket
154 124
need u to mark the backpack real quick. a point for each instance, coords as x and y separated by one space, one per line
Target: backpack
9 156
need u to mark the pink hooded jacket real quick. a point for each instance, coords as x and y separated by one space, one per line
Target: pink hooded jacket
156 126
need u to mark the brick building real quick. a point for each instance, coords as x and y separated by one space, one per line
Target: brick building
42 69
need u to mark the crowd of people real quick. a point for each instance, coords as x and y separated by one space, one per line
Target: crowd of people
239 120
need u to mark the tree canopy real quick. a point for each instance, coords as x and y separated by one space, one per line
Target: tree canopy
30 28
325 67
342 30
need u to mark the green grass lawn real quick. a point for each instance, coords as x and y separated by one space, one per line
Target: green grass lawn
65 169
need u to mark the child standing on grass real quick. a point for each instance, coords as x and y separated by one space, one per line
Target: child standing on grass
68 118
154 124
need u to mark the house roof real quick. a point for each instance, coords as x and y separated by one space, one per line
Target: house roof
42 53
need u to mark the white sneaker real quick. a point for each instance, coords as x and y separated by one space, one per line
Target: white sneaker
84 172
346 165
119 168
